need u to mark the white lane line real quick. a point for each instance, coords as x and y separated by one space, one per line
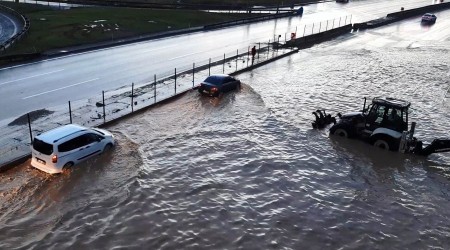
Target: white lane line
178 57
43 74
65 87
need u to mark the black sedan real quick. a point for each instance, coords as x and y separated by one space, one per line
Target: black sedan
215 84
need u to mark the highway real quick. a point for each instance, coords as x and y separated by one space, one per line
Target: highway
53 82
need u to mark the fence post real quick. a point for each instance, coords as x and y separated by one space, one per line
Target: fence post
70 113
209 67
340 21
104 113
29 128
295 30
175 81
320 26
333 23
154 91
237 55
284 38
223 64
345 20
304 31
351 18
132 97
312 30
193 74
259 49
327 26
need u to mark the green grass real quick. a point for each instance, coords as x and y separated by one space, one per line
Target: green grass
54 28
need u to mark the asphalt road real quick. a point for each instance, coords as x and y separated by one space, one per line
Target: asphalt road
54 82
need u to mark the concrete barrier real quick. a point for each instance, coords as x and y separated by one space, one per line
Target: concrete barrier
398 16
418 11
307 41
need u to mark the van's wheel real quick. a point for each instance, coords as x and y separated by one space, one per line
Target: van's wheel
68 165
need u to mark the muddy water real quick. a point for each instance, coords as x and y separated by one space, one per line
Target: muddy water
247 171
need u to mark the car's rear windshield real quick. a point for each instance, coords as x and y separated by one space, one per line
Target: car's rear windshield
42 147
214 80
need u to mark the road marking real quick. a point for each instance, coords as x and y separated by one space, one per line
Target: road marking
178 57
65 87
43 74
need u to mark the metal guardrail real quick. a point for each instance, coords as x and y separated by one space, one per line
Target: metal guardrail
18 36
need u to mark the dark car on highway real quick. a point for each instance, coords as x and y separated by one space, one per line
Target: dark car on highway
214 85
429 18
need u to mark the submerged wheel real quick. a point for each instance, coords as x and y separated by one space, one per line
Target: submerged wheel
385 142
382 144
107 147
68 165
341 132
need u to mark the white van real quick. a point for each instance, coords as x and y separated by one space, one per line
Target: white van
68 145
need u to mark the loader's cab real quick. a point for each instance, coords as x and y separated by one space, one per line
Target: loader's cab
381 124
384 124
387 113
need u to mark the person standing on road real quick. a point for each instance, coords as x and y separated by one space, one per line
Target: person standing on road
253 52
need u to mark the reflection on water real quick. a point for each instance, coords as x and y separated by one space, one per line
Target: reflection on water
246 170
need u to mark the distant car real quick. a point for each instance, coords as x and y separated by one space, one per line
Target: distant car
68 145
341 1
215 84
429 18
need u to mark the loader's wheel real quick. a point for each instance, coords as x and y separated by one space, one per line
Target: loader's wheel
341 132
382 144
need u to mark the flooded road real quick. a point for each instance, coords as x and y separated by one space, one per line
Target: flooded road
247 171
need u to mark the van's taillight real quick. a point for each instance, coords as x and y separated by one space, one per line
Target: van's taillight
55 159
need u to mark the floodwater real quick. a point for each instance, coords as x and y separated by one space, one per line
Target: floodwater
247 171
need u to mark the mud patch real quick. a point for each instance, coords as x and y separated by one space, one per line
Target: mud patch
34 115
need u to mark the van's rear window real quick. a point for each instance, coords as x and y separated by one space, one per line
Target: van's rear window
42 147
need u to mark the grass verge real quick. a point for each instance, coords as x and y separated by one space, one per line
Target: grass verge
58 28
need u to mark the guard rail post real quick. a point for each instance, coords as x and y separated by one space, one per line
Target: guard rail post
29 128
132 97
104 112
70 113
154 90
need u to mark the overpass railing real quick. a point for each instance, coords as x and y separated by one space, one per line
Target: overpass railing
22 32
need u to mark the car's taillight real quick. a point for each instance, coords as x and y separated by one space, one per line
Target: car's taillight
55 159
214 89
